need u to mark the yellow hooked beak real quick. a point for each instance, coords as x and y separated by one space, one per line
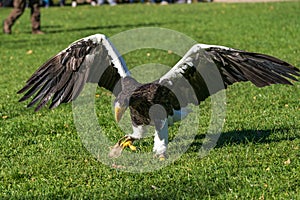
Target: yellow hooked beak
119 111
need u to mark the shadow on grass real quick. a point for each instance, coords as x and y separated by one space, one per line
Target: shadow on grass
23 43
248 136
57 29
48 29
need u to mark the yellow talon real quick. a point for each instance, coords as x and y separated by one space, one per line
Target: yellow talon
128 143
133 148
162 158
117 149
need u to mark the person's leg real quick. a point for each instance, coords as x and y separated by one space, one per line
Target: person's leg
35 17
19 7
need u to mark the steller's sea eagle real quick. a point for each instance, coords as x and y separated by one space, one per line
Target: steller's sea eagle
94 59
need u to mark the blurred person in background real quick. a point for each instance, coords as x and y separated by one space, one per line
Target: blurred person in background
18 10
110 2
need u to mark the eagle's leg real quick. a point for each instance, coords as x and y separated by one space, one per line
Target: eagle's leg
161 140
138 133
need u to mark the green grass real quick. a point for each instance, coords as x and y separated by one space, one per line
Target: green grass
256 157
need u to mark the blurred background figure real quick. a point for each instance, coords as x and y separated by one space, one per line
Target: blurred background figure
74 2
18 10
111 2
62 2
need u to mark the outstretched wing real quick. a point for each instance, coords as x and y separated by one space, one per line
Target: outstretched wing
91 59
206 69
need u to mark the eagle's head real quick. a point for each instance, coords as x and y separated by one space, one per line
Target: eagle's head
129 85
121 104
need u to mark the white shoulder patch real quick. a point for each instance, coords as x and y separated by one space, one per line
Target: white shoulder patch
117 59
179 67
207 46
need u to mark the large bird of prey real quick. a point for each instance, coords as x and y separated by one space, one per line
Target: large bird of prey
159 103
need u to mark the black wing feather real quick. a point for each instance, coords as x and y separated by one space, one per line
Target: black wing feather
260 69
63 77
204 69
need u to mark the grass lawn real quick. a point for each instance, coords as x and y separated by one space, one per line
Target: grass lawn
256 157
